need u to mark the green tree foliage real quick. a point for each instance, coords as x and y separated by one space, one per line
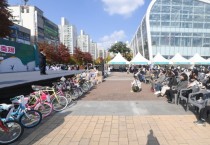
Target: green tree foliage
122 48
119 47
129 56
5 23
72 60
108 58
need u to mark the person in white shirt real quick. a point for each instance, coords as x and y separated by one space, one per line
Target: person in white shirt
136 84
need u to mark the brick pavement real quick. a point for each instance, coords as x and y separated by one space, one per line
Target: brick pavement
70 129
117 88
119 130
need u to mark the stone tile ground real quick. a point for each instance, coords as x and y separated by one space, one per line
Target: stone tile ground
111 115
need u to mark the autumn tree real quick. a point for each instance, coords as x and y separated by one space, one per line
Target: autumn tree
78 56
72 60
87 57
99 60
50 51
63 54
5 21
108 58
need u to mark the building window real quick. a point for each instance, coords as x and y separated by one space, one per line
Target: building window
27 10
22 9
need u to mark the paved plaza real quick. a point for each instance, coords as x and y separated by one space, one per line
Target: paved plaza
111 114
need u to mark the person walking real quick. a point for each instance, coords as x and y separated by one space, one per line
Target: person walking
42 62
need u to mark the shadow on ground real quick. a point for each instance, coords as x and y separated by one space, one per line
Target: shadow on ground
151 139
46 128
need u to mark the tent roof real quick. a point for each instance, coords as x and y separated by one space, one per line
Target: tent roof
139 59
197 59
118 59
178 59
159 59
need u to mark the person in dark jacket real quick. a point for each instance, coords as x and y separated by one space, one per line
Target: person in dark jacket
204 113
42 62
183 83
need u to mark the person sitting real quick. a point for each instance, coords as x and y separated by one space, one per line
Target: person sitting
136 84
158 84
193 79
171 81
194 75
204 113
183 82
153 77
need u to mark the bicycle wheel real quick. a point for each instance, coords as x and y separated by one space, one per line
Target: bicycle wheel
85 87
14 132
69 97
30 118
74 93
59 103
45 108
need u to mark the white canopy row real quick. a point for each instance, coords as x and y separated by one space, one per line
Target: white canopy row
159 59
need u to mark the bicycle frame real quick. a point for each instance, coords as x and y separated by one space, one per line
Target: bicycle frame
49 90
20 110
40 101
3 127
8 117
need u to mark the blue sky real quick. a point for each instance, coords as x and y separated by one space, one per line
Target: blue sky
106 21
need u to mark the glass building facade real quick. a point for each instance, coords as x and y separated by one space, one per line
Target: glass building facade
171 26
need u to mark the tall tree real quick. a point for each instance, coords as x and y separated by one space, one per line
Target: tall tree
119 47
99 60
108 58
50 51
78 56
87 57
63 54
5 21
122 48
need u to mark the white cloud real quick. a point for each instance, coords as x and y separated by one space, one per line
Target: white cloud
122 7
107 40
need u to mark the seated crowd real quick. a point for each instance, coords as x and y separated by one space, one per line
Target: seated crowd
180 84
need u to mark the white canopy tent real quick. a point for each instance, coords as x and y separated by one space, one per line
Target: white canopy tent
118 59
197 59
159 59
139 60
178 59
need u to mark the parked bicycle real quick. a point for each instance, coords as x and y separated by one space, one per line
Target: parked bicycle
58 101
40 103
28 118
10 130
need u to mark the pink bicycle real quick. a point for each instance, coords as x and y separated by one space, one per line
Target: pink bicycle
40 103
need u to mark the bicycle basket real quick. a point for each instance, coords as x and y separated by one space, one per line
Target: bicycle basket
19 100
45 97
